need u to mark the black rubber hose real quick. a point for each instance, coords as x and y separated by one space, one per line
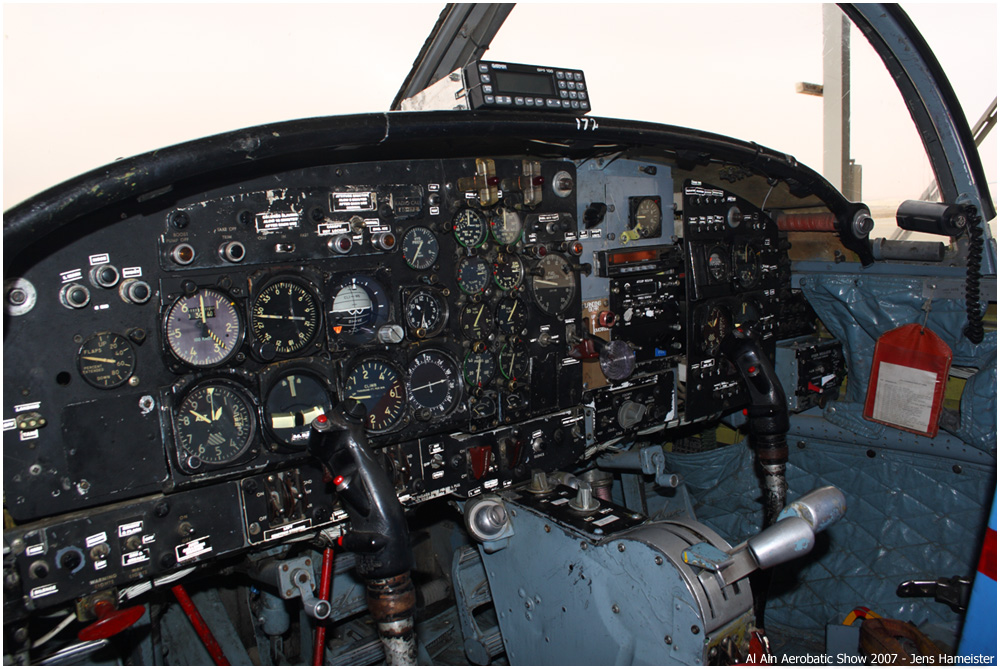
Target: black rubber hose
974 328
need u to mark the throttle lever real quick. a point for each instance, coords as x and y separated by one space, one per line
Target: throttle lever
339 442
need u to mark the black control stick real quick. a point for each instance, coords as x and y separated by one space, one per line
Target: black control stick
379 535
768 416
767 413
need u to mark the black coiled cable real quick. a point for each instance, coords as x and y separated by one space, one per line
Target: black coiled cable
974 328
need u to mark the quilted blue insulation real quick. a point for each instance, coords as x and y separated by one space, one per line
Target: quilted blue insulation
909 516
857 310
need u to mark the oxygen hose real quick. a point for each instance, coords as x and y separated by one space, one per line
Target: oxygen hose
974 328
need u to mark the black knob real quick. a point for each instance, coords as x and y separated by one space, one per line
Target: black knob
70 560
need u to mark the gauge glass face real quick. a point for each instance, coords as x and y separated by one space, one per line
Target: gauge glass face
359 307
717 266
748 313
746 264
203 329
291 405
479 368
214 424
420 248
106 360
512 316
473 275
714 329
506 226
426 313
433 383
554 285
379 386
513 362
484 406
647 218
470 228
514 402
285 315
476 320
508 272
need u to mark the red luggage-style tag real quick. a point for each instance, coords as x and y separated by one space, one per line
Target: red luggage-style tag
909 372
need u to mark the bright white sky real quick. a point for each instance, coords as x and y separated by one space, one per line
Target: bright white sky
87 84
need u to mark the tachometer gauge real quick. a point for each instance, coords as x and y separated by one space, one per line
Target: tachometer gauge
285 315
514 362
470 228
214 425
476 321
425 312
512 316
714 330
718 265
203 329
292 403
433 384
746 264
506 226
379 386
473 274
508 271
479 368
106 360
359 307
553 285
420 248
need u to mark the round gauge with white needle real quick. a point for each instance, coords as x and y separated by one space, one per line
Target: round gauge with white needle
378 385
106 360
433 384
553 284
506 226
512 315
213 424
471 229
476 321
479 368
425 312
420 248
292 403
285 315
203 329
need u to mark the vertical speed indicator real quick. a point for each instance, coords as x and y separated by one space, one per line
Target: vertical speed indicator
379 386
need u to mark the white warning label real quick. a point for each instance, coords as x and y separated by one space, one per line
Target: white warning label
357 201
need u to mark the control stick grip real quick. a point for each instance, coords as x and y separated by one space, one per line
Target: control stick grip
339 442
